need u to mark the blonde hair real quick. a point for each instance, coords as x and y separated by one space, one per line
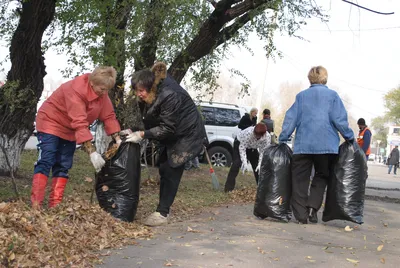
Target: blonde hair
318 75
103 75
254 109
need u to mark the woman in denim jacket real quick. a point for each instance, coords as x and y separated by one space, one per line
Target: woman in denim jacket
317 115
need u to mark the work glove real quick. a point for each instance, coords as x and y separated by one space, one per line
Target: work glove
244 167
97 161
134 137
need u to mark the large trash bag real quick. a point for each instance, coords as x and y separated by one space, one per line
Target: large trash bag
118 183
346 186
275 184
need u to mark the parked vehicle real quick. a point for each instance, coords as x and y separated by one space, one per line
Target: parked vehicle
221 123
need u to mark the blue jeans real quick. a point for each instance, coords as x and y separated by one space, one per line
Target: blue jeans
192 163
55 154
394 170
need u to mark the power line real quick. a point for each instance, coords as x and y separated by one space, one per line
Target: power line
377 12
362 109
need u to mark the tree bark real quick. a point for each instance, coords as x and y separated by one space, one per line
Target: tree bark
213 32
156 14
24 85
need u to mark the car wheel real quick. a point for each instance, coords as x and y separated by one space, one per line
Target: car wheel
220 157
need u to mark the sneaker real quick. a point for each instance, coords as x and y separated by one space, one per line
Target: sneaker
155 219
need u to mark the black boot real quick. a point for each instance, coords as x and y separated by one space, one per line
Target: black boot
312 215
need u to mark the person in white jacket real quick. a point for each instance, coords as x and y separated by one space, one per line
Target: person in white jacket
254 138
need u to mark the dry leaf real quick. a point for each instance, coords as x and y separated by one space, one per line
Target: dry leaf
383 260
280 200
348 229
385 224
365 238
379 248
168 264
88 179
104 188
311 260
276 259
309 257
352 261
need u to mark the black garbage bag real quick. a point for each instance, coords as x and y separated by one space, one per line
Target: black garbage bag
275 184
118 183
346 186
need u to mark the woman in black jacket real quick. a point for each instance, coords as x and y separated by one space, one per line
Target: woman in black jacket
171 117
248 120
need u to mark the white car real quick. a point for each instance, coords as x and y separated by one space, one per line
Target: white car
221 122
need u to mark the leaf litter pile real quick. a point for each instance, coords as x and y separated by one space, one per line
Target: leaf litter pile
71 235
74 233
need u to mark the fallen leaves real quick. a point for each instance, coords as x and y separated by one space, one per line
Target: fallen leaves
348 229
88 179
68 235
352 261
244 195
379 248
383 260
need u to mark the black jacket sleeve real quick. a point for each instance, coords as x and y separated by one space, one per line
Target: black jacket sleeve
169 115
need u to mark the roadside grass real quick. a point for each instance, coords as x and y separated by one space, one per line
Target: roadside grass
195 190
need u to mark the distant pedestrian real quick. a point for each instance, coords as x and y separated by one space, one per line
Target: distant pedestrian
248 119
194 163
269 123
393 160
364 137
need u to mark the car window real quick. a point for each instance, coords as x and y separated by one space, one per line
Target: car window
208 115
227 117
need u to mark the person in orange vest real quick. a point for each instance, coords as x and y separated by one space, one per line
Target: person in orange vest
364 137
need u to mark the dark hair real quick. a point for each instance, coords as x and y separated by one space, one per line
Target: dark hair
143 78
260 129
361 122
266 111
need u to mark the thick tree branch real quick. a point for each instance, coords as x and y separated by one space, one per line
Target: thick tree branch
212 33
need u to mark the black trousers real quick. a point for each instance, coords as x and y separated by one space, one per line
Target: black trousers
301 171
252 156
169 183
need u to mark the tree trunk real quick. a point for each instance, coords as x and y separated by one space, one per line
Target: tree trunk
24 86
156 15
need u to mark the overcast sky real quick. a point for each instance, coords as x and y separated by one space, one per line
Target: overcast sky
359 49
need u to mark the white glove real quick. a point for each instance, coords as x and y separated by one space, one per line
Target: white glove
97 161
244 167
134 137
258 168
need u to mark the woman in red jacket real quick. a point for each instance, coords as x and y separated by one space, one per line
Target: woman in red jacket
63 121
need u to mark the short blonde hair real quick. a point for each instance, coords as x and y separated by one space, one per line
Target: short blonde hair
318 75
104 75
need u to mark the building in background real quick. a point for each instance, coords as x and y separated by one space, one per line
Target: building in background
393 138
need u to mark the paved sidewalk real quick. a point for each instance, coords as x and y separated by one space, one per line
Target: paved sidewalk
232 237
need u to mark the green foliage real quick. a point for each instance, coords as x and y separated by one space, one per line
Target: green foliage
379 125
84 30
13 99
392 103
